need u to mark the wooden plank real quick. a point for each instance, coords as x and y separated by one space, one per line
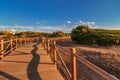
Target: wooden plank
29 62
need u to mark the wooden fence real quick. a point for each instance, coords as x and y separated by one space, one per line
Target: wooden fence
54 51
7 46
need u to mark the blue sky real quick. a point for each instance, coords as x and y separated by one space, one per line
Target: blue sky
54 15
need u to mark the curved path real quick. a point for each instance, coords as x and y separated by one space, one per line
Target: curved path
30 62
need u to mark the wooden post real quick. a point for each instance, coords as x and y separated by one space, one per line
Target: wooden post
28 41
73 58
44 44
32 40
54 51
37 40
2 49
25 41
16 42
48 45
20 42
11 45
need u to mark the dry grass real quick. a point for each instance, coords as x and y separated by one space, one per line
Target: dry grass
107 58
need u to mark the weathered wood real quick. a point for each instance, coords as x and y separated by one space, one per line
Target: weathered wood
28 40
2 49
48 45
44 44
54 51
35 66
20 42
16 43
11 45
37 40
73 58
25 41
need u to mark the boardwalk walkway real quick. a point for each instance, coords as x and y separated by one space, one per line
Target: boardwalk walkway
30 62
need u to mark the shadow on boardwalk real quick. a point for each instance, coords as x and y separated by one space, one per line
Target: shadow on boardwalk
8 76
32 72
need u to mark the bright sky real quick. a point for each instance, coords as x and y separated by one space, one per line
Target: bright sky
54 15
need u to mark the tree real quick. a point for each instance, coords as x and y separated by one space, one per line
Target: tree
76 32
57 34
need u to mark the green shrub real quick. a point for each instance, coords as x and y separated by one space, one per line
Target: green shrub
84 35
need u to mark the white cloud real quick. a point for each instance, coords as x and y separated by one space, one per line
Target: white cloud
63 28
68 22
90 24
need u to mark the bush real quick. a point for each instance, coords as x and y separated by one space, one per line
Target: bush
84 35
59 34
78 31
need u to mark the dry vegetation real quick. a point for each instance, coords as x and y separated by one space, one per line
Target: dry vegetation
107 58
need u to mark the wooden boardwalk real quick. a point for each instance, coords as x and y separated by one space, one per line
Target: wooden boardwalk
30 62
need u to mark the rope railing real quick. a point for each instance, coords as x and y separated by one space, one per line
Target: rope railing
63 66
55 52
8 46
94 68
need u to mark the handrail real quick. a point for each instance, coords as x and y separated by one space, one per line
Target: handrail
95 68
8 46
73 76
68 72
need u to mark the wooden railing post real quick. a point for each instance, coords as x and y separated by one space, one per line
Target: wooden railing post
54 51
73 58
25 41
2 49
28 40
48 45
20 42
11 48
44 44
31 40
16 42
37 40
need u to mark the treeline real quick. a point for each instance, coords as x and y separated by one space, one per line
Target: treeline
59 34
84 35
5 34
